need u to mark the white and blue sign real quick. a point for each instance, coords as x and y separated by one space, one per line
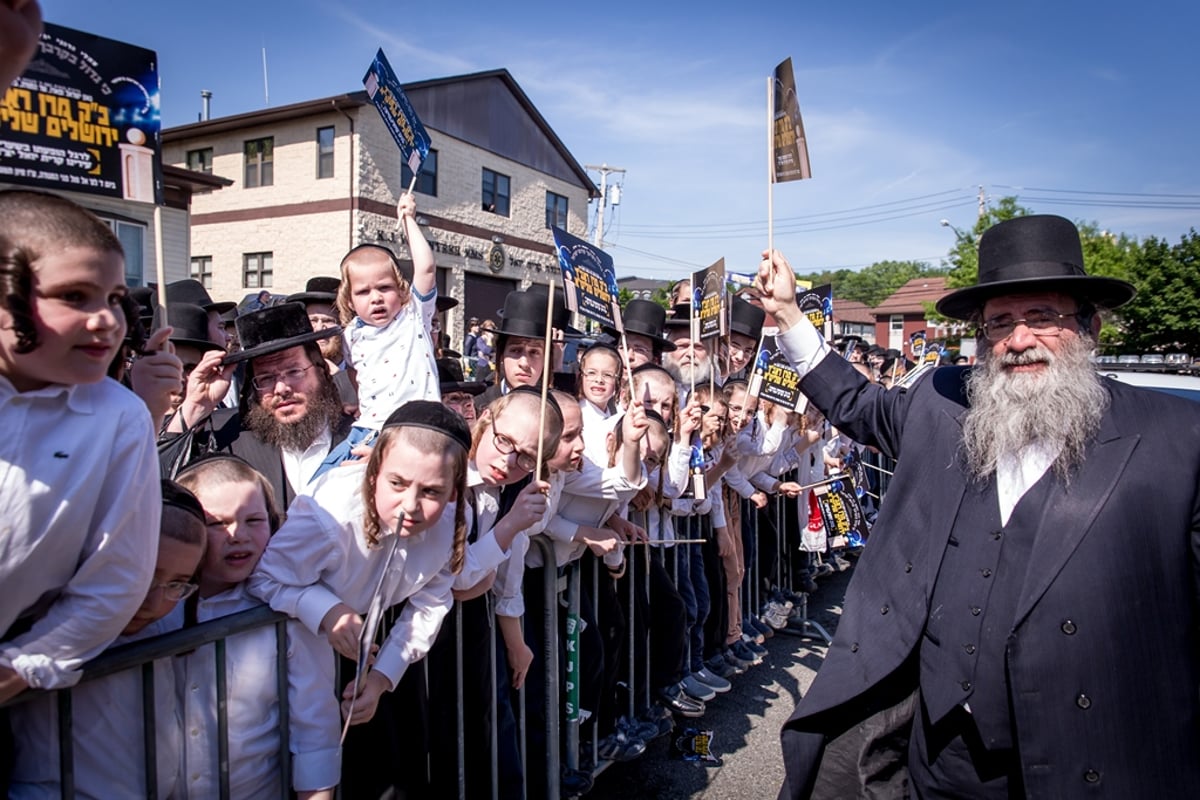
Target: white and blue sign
589 280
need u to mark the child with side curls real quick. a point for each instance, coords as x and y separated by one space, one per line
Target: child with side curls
388 533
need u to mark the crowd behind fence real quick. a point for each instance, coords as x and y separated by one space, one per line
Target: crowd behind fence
560 682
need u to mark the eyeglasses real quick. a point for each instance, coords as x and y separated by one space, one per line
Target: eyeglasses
598 376
176 590
506 446
265 384
1041 321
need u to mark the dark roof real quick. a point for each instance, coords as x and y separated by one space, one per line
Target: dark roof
429 101
852 311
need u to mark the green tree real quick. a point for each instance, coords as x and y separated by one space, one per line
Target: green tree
874 284
1165 314
623 297
962 263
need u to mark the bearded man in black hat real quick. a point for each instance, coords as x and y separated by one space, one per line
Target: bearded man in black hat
320 301
1025 620
290 414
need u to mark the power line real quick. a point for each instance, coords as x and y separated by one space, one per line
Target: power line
1085 191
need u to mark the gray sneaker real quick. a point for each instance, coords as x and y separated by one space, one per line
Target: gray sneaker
696 688
715 682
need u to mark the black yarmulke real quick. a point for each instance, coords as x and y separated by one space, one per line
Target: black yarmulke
175 495
433 415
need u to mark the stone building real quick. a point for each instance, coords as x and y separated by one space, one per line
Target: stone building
313 179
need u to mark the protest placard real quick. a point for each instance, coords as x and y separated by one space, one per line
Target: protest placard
589 280
708 300
383 88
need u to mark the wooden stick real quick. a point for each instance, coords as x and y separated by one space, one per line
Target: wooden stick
546 358
771 164
628 368
160 267
412 184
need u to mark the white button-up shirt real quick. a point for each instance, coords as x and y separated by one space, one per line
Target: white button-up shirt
80 504
108 741
320 558
252 694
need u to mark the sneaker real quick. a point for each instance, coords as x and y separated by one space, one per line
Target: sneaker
738 666
808 585
757 624
636 730
714 682
740 650
718 666
754 647
753 634
656 712
617 746
840 564
674 698
774 620
695 688
732 656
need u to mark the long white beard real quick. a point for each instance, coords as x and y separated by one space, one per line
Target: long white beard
689 375
1060 406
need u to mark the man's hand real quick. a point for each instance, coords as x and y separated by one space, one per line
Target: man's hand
690 420
158 375
634 424
599 540
11 684
374 685
206 387
759 499
776 286
724 542
627 530
343 627
643 499
789 489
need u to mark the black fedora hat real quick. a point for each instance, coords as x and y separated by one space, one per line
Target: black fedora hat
562 317
450 378
275 328
190 290
644 318
445 302
524 314
1039 253
146 298
320 289
189 326
681 316
746 318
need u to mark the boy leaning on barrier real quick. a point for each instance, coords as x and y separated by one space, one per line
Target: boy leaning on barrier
108 745
79 492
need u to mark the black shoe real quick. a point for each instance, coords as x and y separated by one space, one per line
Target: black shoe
719 667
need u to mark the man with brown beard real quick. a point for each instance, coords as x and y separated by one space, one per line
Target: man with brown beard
289 416
1024 620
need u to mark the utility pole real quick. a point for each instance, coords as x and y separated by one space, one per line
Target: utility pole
604 170
982 203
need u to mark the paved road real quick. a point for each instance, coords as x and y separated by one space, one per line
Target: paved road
745 724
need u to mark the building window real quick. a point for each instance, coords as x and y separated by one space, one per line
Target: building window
200 160
256 270
495 192
556 211
260 167
426 178
325 152
202 270
132 236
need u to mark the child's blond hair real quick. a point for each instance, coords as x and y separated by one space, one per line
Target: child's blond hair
345 302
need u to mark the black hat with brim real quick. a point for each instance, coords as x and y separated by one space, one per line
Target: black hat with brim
1034 254
644 318
445 303
319 289
189 326
450 378
190 290
275 328
524 315
746 319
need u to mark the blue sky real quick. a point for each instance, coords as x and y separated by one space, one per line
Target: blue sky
1082 109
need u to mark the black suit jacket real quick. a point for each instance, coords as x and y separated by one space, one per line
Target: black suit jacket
226 434
1103 657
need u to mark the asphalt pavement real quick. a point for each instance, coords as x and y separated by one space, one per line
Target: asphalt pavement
745 724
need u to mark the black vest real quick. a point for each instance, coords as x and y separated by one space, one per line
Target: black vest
973 608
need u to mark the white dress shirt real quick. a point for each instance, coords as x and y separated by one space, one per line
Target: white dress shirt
108 741
79 514
597 424
314 718
299 467
320 558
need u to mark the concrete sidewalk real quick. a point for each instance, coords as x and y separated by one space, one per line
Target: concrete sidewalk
745 724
